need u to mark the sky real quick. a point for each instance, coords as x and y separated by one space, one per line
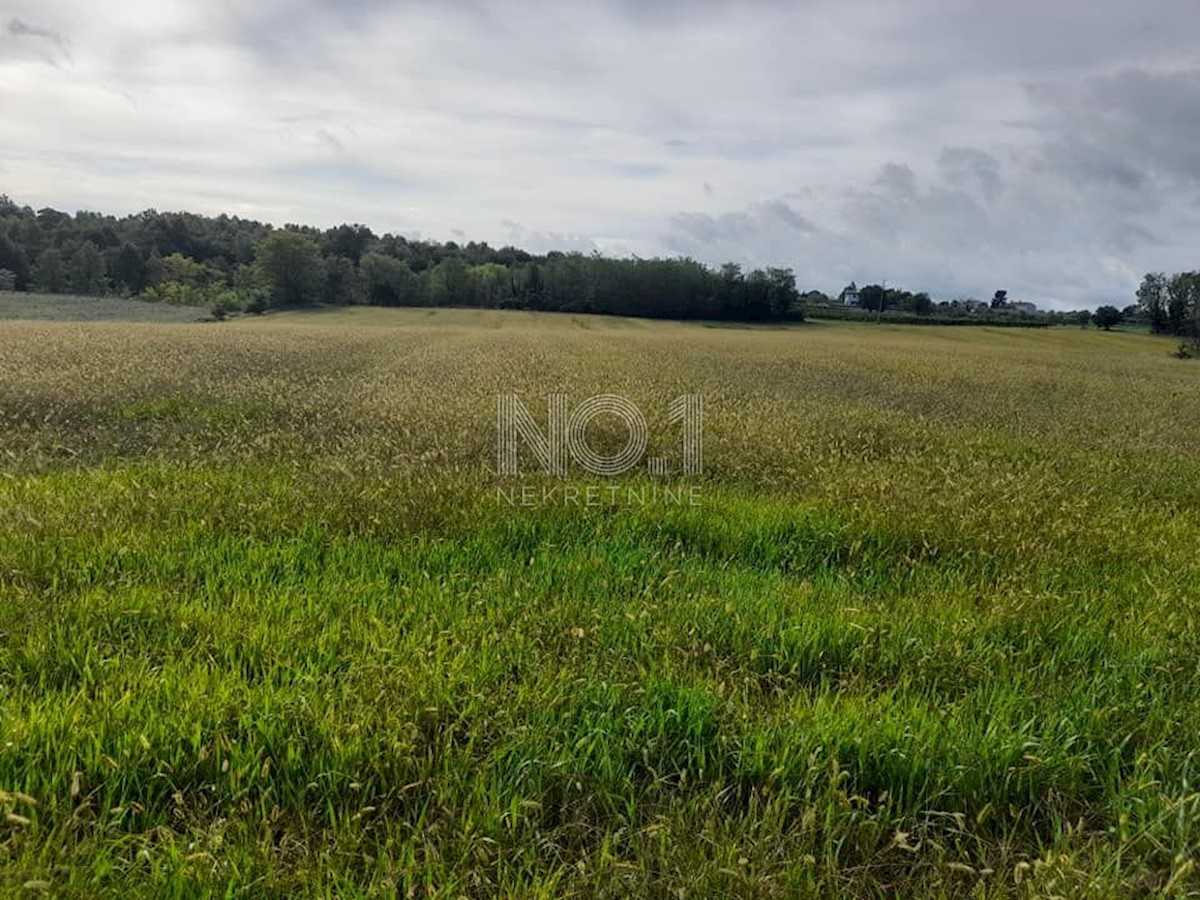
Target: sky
1050 148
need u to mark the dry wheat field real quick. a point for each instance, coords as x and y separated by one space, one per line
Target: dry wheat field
268 628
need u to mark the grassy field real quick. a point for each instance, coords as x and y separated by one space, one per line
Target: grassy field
72 308
268 629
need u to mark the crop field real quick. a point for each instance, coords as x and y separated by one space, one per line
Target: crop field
270 624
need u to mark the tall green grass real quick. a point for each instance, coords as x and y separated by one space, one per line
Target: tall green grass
266 629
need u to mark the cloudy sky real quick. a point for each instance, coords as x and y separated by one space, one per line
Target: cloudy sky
1047 147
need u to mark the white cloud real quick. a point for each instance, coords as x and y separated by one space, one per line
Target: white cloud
1040 148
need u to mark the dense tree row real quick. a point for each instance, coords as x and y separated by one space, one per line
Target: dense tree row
231 263
902 305
877 298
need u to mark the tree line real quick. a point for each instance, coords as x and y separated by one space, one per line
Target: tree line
231 264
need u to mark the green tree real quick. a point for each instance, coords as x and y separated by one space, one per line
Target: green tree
182 270
86 269
289 267
1108 316
14 258
784 295
128 268
1152 298
874 297
921 304
532 291
757 290
343 283
50 271
489 284
388 281
8 280
449 282
225 304
1183 298
350 241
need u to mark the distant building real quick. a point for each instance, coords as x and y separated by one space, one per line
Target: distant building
975 305
1022 307
850 296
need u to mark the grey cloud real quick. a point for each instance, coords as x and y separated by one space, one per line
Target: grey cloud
17 28
330 141
700 234
1090 163
58 46
1046 148
970 169
1126 237
897 179
543 242
1129 128
933 37
961 230
708 230
781 212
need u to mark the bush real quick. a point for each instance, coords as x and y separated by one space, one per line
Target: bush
176 293
256 302
225 305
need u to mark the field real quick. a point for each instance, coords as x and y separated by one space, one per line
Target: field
69 308
269 628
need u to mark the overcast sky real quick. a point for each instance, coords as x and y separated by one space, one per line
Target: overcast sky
1047 147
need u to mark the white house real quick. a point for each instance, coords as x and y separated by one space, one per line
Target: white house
1022 307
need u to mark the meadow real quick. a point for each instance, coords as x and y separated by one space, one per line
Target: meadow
73 308
268 629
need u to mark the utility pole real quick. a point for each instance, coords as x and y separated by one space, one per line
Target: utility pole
882 298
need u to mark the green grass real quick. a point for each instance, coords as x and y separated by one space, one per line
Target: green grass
74 308
267 629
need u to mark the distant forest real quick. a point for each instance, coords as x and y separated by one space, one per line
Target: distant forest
229 264
232 264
